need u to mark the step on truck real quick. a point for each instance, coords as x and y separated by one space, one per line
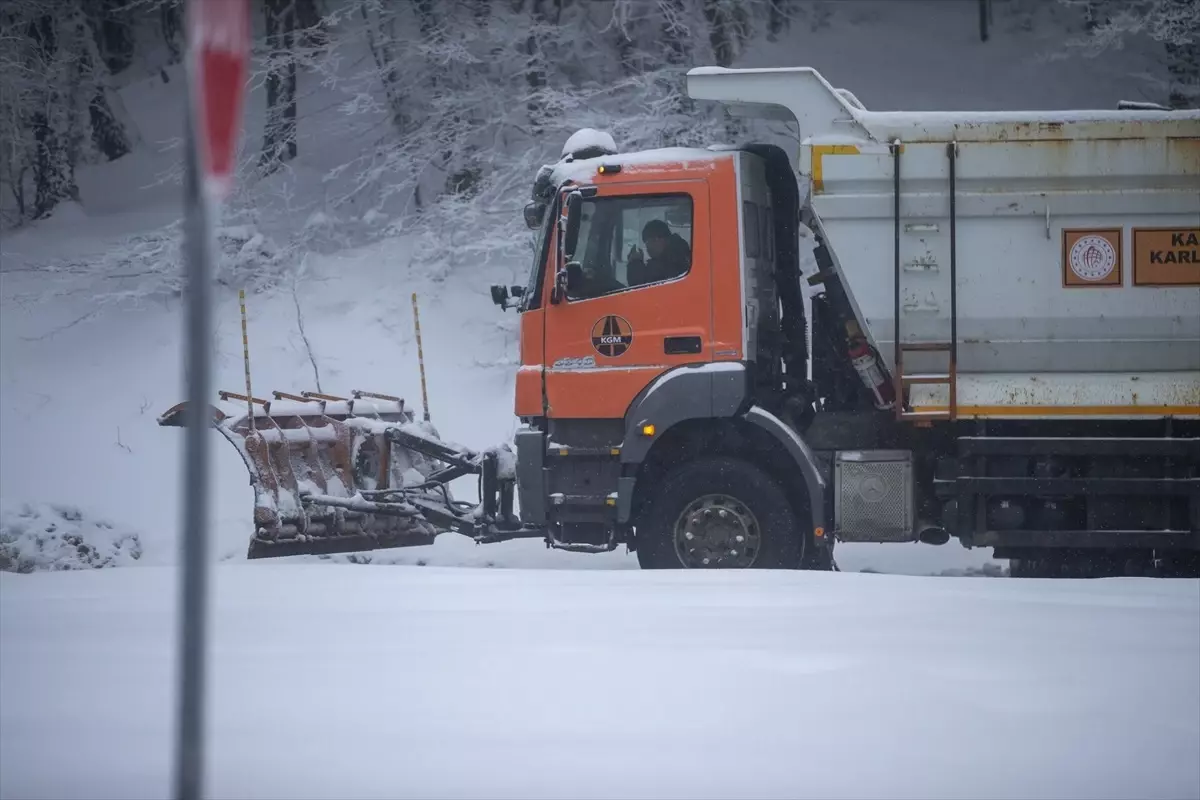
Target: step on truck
981 326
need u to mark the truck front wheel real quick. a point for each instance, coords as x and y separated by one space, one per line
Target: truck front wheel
718 513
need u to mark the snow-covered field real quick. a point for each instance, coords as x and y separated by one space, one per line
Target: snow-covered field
364 681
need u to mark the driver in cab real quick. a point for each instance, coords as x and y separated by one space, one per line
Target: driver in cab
670 257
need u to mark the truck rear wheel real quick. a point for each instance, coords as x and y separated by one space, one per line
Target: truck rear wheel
718 513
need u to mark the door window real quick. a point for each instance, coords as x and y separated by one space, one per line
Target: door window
634 241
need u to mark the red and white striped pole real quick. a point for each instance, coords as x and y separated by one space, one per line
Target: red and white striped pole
218 49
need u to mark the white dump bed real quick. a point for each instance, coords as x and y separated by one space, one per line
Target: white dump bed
1077 239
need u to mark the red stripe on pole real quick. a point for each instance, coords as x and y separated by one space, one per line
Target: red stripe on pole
219 47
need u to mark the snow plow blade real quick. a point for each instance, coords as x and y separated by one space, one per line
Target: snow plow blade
343 475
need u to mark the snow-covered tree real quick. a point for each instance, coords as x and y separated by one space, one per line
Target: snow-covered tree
450 107
442 110
58 108
279 135
1175 24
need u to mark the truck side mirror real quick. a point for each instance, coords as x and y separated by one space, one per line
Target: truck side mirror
574 218
568 241
501 296
534 214
574 278
568 282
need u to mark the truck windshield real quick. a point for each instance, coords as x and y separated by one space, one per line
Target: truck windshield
629 242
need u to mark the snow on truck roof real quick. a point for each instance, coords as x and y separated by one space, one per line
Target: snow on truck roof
827 115
589 139
584 170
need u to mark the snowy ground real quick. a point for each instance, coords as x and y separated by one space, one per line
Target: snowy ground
345 681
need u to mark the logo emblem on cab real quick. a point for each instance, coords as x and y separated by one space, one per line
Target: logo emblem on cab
612 335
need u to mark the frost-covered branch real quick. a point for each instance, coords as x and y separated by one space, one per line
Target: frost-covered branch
308 348
1110 23
1175 24
58 109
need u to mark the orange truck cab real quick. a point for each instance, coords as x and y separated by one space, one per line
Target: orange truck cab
664 361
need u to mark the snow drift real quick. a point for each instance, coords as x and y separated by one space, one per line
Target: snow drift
41 536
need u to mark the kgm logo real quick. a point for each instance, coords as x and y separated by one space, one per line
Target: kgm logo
611 336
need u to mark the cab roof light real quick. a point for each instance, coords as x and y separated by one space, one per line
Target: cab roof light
608 169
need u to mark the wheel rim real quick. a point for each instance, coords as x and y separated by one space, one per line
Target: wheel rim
717 531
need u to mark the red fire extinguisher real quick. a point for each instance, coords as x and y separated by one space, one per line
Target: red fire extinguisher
865 363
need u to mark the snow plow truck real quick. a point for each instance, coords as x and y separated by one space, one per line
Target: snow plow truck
928 326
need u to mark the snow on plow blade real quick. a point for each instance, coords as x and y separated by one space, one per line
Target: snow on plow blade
331 474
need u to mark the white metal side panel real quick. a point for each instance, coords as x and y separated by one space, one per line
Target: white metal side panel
1014 200
1114 395
1027 344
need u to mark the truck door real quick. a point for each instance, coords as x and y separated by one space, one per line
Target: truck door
628 323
